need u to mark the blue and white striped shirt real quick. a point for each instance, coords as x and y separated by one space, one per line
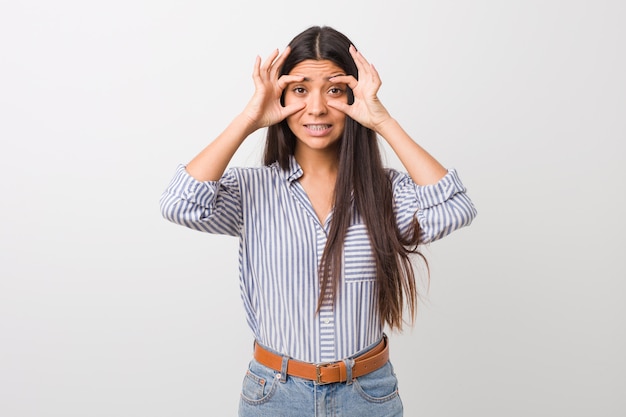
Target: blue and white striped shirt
281 241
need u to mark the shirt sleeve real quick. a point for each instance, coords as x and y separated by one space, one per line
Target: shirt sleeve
209 206
440 208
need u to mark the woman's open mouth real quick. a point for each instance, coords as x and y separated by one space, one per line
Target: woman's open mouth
318 129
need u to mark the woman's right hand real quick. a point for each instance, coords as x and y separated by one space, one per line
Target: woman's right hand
264 108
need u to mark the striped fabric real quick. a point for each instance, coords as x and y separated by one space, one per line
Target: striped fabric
281 241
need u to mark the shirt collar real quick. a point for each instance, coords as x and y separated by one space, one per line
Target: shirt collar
294 172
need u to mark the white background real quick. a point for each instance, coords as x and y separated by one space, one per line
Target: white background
106 309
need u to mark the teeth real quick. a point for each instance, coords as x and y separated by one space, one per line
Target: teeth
318 127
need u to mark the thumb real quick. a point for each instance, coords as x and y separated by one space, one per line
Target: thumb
292 108
341 106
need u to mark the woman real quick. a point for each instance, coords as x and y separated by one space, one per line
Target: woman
326 233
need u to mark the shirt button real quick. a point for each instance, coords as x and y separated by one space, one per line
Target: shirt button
326 321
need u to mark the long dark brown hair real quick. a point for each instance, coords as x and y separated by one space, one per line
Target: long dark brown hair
361 178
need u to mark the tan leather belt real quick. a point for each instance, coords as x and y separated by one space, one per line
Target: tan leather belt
326 373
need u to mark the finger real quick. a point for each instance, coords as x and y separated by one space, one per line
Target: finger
285 80
359 59
256 71
366 70
278 63
348 80
375 74
281 58
267 65
291 109
341 106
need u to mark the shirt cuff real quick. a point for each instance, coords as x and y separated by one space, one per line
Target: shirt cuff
443 190
190 189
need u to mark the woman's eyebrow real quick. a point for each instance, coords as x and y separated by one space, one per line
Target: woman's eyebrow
307 79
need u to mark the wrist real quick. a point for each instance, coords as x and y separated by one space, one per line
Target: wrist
386 126
246 123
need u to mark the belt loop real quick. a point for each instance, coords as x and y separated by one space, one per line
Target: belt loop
349 364
283 369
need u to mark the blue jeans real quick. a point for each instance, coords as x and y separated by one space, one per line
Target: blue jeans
266 394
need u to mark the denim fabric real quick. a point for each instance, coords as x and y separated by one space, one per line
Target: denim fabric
372 395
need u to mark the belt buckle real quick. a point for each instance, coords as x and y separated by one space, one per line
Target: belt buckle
318 373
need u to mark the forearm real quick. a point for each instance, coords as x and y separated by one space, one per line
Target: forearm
205 206
211 162
423 168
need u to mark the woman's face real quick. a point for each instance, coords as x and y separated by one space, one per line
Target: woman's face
317 126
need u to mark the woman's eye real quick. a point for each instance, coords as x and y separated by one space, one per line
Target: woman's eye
335 91
299 90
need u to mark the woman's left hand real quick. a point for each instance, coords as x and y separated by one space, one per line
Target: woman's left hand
367 108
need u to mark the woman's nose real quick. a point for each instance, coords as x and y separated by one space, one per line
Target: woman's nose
316 105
